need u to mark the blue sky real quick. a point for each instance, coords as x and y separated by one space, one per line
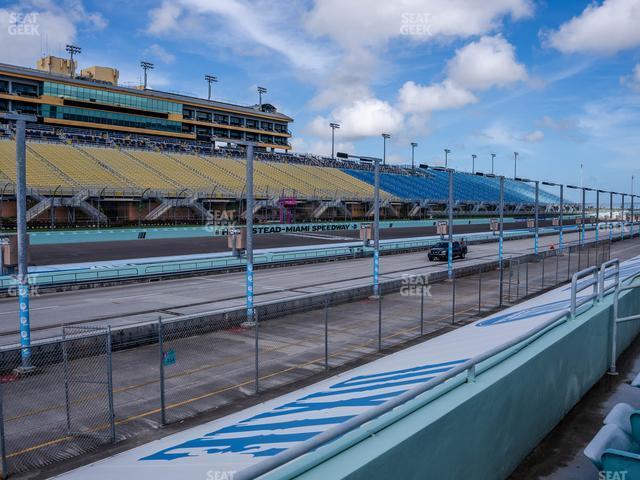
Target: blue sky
559 82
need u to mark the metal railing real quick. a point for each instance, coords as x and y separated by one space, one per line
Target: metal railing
166 370
591 277
618 319
469 369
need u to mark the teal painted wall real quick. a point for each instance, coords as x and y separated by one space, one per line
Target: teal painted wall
483 430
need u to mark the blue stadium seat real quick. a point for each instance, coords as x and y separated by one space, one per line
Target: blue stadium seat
610 439
434 186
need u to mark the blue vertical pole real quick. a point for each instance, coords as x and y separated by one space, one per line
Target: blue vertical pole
249 246
597 215
536 237
561 222
23 272
584 192
622 218
610 216
450 229
376 228
501 238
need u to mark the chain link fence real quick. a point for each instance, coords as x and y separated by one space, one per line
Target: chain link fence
92 386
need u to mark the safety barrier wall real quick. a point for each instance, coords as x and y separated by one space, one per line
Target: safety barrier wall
484 428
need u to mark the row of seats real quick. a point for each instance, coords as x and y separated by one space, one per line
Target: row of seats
434 185
51 165
616 446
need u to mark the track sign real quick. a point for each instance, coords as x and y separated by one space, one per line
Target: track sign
555 222
441 229
366 232
494 225
531 223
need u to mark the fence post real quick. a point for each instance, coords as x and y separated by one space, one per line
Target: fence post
569 263
3 462
256 348
557 266
65 364
526 281
326 332
579 257
163 412
480 292
501 287
453 302
112 413
518 282
543 259
422 308
380 320
510 280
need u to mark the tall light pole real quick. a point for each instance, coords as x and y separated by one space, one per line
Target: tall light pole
333 139
413 156
446 157
536 207
493 157
450 229
146 66
473 162
611 215
515 164
210 79
261 90
622 217
598 213
249 246
501 238
21 229
561 214
72 50
385 137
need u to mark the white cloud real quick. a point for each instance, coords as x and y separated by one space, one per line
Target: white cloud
54 26
535 136
160 53
633 80
440 96
604 28
360 119
489 62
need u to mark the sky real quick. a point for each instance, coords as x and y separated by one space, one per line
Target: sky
556 81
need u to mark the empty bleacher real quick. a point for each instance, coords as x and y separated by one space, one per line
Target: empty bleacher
40 173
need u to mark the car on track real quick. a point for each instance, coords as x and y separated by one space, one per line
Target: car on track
441 249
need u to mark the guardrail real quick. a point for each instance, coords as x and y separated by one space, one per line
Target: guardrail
467 369
592 280
142 270
616 320
608 270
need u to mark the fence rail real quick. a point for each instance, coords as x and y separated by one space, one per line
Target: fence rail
109 384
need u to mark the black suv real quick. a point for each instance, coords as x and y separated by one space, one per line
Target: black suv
440 251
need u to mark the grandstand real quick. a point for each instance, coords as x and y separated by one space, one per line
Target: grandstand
109 149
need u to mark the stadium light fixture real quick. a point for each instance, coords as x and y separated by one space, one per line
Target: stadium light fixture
446 157
333 138
261 90
210 79
146 66
493 157
413 155
72 50
385 137
473 162
515 164
21 230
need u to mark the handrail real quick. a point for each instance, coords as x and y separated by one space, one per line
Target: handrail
576 288
469 367
606 273
617 319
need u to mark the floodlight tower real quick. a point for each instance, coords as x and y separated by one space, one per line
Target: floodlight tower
515 164
446 157
413 155
333 139
261 90
210 79
72 50
146 66
493 157
385 137
473 162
